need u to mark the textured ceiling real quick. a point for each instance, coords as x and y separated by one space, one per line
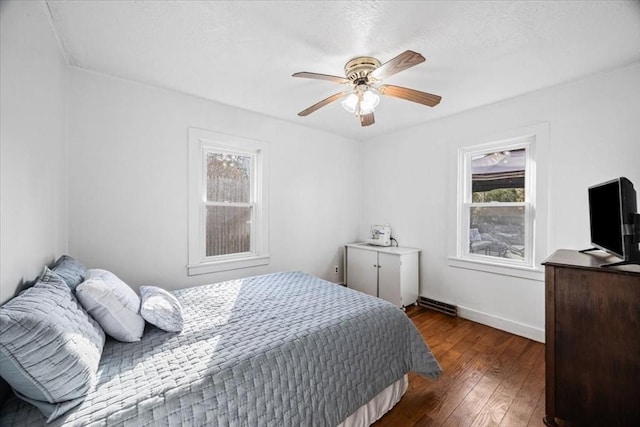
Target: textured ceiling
243 53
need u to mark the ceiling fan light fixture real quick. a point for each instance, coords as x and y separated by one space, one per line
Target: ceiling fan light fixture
368 104
350 103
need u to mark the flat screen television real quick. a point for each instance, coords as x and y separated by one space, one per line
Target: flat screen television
613 220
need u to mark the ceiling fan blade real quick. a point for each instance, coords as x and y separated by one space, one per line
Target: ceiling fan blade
410 95
318 76
401 62
322 103
367 119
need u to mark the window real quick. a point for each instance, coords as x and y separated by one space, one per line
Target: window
500 215
227 203
230 202
496 203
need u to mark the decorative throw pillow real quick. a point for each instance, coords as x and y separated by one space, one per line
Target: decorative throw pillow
161 309
71 271
113 304
50 347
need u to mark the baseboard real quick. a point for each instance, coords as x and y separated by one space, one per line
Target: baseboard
510 326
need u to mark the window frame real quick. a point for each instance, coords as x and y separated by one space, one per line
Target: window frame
201 143
541 232
466 203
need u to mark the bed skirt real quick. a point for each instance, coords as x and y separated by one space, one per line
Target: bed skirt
382 403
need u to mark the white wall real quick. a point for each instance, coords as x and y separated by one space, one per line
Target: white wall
33 195
594 131
128 183
127 177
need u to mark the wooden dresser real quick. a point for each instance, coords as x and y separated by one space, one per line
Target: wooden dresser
592 352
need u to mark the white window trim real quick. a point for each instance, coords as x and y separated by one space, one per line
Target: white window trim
200 142
537 139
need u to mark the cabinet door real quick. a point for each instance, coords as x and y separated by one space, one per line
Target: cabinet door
389 278
362 270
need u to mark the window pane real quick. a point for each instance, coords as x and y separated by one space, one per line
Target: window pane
497 231
498 177
228 230
228 178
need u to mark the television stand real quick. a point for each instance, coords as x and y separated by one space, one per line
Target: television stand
619 263
631 261
588 250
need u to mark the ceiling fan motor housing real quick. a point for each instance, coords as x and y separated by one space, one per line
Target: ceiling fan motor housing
359 68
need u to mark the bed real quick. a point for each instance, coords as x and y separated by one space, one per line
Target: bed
283 349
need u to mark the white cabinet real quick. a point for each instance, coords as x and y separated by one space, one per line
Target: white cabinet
390 273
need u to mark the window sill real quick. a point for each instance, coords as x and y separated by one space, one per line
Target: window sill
502 269
232 264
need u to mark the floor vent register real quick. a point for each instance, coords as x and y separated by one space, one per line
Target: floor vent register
442 307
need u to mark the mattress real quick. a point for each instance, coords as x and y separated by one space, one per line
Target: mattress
284 349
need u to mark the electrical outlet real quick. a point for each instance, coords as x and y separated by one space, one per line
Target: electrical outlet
336 269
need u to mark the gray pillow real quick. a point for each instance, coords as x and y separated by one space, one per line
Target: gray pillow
71 270
113 304
161 309
50 347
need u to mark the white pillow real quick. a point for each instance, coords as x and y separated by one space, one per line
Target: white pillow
160 308
113 304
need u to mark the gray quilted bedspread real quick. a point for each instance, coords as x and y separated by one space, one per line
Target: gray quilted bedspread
284 349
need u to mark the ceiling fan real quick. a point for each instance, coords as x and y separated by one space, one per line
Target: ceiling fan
365 75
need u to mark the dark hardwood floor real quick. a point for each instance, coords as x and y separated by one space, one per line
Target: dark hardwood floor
490 377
